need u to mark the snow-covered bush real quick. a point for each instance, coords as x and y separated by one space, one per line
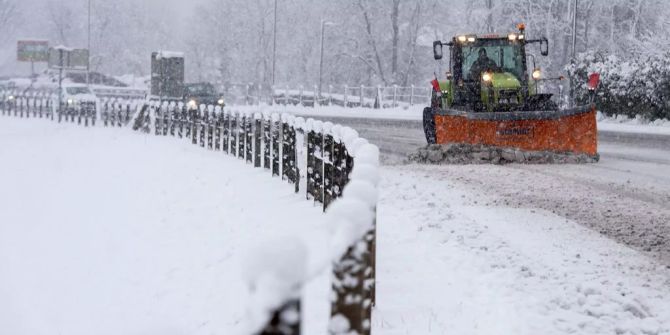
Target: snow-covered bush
637 87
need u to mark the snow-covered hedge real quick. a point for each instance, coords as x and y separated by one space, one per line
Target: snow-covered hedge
638 87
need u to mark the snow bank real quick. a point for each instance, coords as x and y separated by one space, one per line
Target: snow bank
106 231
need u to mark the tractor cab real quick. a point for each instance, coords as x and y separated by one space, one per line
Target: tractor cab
489 73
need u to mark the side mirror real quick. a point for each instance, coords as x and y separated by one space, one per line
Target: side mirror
544 47
437 50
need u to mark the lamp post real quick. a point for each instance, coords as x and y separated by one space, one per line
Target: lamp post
323 32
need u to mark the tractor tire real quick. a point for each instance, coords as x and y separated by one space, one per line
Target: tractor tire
429 125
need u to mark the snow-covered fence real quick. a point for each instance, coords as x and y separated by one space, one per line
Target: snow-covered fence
332 166
117 112
325 161
39 104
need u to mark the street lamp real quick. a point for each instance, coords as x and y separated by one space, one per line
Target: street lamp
323 29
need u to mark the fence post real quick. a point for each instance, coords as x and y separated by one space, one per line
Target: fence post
226 130
249 132
380 97
330 95
258 125
395 96
362 97
218 115
210 126
194 125
241 135
411 96
286 96
283 322
276 129
267 142
345 96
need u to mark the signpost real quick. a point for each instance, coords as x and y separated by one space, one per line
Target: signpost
64 58
32 51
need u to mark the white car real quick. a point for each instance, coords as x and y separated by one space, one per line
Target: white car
78 98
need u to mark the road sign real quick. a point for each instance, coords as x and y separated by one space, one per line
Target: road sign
68 59
32 50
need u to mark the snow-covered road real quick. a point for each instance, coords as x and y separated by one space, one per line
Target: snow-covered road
455 261
626 196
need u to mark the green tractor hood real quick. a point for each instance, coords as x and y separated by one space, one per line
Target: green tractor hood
503 91
504 80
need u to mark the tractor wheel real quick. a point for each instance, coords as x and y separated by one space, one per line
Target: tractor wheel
429 125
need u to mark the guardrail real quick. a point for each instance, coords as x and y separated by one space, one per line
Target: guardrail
129 93
330 162
331 95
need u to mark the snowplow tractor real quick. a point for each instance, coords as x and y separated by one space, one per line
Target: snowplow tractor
490 97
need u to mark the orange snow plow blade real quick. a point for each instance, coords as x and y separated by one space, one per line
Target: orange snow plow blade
573 130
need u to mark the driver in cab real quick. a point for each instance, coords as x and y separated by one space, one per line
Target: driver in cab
482 64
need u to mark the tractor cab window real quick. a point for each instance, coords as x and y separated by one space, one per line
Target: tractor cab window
496 56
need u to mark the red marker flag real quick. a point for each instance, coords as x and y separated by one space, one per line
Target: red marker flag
436 85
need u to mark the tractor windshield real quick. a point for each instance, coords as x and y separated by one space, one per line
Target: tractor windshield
492 55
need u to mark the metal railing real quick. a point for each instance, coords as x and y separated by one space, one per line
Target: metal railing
331 95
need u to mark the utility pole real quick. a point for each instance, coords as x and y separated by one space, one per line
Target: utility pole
574 29
489 17
574 52
323 33
88 48
274 46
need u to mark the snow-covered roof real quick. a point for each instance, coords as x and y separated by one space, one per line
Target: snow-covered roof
62 47
170 54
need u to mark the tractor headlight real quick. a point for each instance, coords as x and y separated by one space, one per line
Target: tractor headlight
471 39
537 74
521 37
487 77
512 37
70 101
220 102
462 38
10 98
192 103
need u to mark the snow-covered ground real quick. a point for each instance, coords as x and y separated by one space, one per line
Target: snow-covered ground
107 231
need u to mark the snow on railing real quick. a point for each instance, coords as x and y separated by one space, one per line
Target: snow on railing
329 163
332 166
